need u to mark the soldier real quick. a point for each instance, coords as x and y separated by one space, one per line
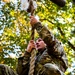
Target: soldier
50 59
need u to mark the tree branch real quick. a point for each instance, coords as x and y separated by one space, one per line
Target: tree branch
69 43
63 34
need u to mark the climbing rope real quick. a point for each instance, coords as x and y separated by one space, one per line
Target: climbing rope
33 53
30 9
32 58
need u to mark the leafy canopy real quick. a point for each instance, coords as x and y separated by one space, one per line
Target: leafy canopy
15 29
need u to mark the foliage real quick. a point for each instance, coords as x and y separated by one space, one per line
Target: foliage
15 29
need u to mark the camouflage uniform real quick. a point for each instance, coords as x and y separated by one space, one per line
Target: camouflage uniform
5 70
52 61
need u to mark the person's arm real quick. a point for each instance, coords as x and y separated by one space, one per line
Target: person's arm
52 43
54 46
23 62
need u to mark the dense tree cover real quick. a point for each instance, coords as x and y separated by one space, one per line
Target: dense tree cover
15 29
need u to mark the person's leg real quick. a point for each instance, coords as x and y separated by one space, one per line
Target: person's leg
5 70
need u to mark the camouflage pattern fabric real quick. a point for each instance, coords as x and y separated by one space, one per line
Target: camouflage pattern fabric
52 61
5 70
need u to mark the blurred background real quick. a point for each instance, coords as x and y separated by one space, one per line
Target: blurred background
15 29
